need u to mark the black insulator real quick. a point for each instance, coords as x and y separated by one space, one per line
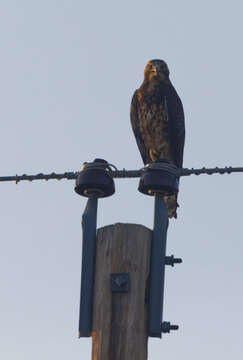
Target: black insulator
162 179
94 180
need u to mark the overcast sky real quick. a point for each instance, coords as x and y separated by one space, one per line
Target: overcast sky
68 71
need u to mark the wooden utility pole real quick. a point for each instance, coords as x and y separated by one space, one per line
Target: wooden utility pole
123 267
119 329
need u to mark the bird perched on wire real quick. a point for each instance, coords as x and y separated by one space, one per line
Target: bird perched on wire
157 120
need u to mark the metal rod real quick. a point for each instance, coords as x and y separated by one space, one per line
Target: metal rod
157 267
89 224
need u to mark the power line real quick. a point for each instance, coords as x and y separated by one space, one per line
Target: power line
121 174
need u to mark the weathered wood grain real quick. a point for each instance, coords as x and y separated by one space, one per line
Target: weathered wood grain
120 319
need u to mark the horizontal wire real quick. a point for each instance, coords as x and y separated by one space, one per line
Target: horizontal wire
120 174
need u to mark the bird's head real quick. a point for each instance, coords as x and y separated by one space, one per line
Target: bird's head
156 70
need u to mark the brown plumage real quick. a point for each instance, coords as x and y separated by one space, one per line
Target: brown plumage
157 120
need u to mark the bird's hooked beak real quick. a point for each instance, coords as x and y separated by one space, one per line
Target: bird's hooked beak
155 70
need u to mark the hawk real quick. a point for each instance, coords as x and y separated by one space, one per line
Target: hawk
157 120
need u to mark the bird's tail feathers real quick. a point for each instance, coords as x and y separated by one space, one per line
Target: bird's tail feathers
171 205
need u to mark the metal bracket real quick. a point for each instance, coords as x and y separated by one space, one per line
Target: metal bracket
120 283
89 221
157 270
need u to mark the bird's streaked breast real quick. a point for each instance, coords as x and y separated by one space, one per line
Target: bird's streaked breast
154 127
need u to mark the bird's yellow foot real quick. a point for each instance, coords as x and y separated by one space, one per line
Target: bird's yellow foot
153 154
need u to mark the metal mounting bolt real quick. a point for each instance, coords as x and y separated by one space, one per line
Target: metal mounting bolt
120 282
171 260
166 327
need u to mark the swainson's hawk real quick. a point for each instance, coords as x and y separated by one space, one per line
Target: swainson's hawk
157 119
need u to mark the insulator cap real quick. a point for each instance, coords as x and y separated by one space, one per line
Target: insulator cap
95 180
159 179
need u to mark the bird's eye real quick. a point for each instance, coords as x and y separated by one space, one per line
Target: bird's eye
150 66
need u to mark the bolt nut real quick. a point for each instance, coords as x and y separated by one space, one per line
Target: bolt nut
120 282
166 327
171 260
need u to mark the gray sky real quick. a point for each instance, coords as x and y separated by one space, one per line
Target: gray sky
68 71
